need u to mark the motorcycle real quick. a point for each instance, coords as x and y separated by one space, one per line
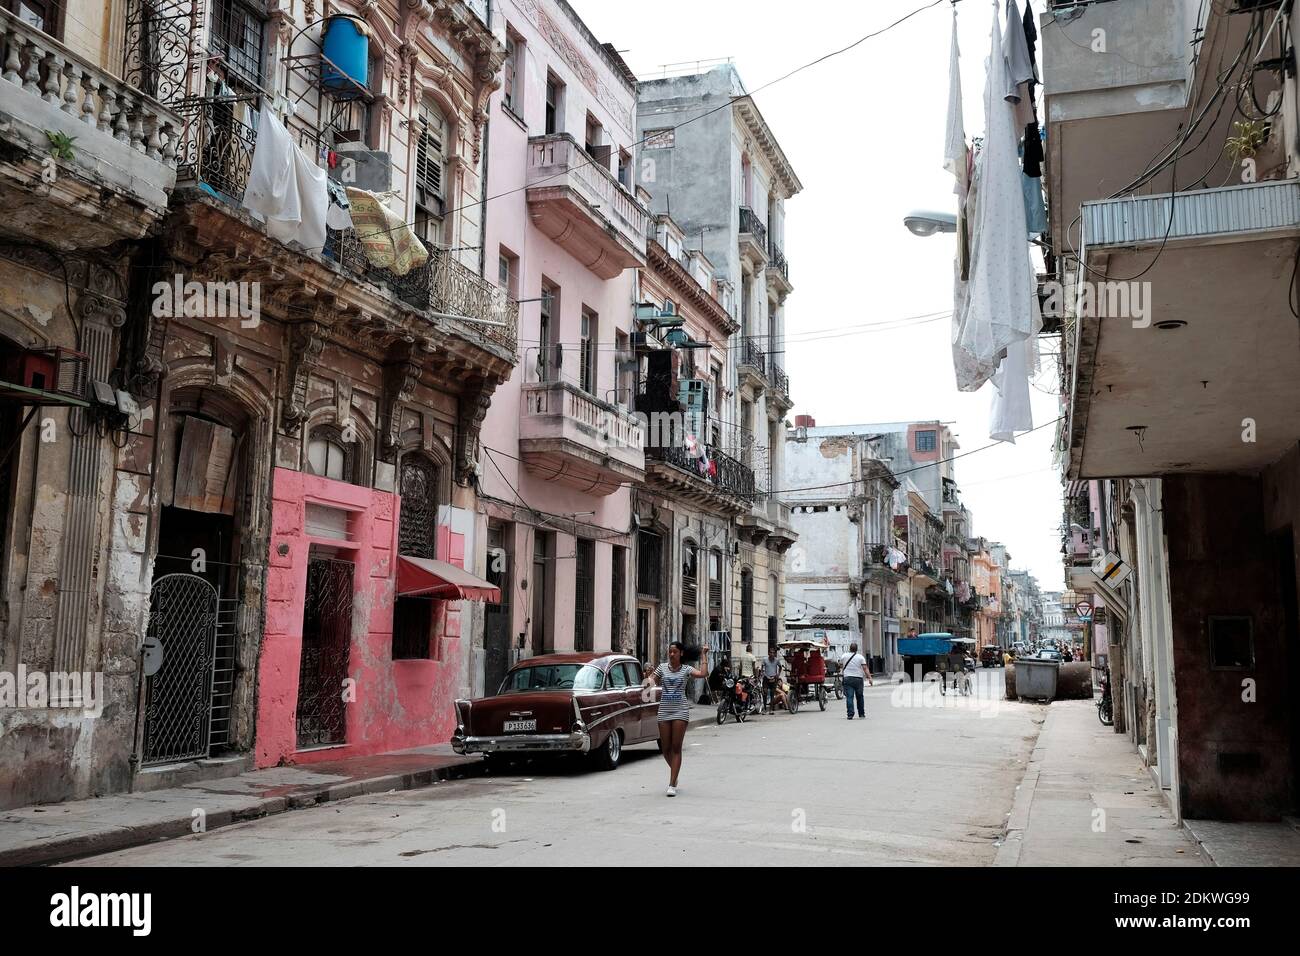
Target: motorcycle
1104 705
739 699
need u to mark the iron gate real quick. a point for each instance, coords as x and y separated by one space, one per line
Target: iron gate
326 640
183 617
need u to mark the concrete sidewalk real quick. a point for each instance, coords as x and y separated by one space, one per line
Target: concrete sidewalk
52 833
1086 800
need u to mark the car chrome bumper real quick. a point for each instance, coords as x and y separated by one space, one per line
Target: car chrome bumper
578 742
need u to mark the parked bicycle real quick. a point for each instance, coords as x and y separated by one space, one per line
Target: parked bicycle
1105 712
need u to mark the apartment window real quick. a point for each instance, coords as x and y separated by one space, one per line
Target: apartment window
547 363
623 369
554 105
925 441
746 181
512 74
237 32
625 169
715 580
430 165
649 563
587 357
41 14
690 576
595 144
508 271
330 456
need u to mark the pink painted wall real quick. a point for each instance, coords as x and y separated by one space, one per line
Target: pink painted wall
399 704
550 38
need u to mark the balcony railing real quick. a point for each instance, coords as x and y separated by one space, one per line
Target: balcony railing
44 68
750 223
217 146
730 476
217 152
753 352
780 380
558 160
776 260
616 429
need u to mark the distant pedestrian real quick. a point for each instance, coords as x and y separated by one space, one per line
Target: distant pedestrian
855 669
748 662
771 677
674 708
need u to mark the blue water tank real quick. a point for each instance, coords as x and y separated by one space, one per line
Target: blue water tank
346 45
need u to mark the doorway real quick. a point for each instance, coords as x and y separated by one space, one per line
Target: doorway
326 643
496 617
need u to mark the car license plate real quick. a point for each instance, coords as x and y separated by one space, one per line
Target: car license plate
520 726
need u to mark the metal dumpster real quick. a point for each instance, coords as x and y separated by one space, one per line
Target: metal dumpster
1036 679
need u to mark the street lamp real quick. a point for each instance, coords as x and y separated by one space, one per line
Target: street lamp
925 222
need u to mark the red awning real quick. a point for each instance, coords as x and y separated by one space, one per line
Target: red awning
437 579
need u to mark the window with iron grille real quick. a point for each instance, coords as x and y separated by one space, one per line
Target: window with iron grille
649 566
237 34
430 165
418 525
925 441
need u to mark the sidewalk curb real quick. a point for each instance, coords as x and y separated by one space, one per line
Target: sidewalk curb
123 838
1013 832
78 846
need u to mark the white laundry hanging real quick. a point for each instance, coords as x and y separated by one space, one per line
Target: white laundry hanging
997 308
285 187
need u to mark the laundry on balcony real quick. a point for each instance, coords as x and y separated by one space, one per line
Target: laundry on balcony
387 240
285 187
339 214
427 577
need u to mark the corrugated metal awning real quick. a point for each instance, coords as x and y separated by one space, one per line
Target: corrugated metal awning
1248 210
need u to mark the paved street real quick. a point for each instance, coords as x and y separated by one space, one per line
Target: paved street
910 785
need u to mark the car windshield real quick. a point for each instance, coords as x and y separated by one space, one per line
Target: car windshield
555 677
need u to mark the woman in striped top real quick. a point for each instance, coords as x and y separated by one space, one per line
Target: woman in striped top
674 708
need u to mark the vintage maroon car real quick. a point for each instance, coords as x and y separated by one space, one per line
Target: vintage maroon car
579 703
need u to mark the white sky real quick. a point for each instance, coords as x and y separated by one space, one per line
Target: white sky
864 132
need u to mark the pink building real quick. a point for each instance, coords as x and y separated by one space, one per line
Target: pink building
564 235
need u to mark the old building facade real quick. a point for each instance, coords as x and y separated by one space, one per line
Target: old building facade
259 478
726 181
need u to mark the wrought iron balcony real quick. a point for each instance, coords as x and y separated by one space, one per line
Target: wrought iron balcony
728 476
753 353
216 149
751 224
780 381
778 270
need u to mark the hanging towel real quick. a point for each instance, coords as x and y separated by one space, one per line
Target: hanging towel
385 237
1010 411
285 187
996 310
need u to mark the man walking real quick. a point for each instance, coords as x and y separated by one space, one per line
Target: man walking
854 668
748 662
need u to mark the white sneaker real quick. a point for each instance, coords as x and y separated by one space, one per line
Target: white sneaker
672 791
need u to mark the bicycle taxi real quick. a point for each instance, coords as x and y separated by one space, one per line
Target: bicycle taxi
807 662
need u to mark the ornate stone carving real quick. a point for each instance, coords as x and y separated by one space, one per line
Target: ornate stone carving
474 402
306 342
401 375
